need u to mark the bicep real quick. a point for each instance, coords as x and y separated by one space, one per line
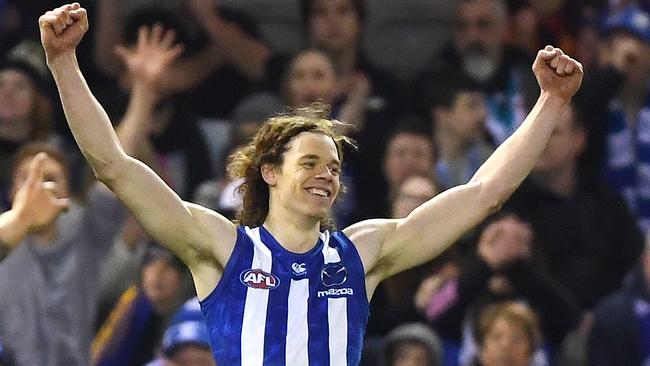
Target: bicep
181 227
432 227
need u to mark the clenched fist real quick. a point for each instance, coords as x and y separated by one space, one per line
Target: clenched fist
62 29
557 74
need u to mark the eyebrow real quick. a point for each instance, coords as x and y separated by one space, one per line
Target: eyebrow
316 157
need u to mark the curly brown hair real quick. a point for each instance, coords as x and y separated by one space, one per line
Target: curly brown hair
268 147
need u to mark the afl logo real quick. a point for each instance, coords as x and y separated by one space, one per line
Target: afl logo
256 278
333 274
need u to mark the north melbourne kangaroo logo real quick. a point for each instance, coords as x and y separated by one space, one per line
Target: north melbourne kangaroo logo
333 274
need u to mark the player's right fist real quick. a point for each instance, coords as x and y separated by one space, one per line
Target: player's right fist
62 29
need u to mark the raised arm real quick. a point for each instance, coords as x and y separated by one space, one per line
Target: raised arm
196 235
246 53
391 246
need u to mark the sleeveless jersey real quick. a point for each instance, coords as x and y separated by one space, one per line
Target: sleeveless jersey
275 307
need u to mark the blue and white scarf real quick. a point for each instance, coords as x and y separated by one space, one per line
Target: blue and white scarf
628 159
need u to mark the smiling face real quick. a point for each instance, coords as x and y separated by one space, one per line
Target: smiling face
307 182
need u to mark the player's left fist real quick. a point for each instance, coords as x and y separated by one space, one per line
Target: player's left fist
62 29
557 73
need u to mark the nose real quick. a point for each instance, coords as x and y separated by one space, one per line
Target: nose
325 173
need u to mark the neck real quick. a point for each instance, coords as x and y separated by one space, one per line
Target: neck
295 232
562 181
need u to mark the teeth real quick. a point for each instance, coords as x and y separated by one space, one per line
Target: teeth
319 192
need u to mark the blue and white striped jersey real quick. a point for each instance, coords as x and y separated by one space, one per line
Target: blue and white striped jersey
275 307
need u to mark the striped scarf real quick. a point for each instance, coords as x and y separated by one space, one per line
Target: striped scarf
628 159
115 342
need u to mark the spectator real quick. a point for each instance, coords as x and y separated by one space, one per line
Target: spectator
503 267
147 63
409 151
620 334
616 100
229 53
336 26
25 112
412 344
312 76
392 303
478 52
48 283
134 329
186 341
458 113
587 236
508 334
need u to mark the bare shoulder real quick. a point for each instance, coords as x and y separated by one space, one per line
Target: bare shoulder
368 237
218 233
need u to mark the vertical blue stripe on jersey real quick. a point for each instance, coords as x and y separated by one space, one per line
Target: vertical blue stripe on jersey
229 297
275 337
318 343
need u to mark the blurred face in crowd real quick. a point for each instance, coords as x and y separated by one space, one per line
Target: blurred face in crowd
161 282
18 96
480 29
311 77
334 25
465 118
410 354
54 174
565 145
191 355
412 193
506 344
632 55
407 154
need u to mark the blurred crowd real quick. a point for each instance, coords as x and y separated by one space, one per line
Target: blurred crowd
427 88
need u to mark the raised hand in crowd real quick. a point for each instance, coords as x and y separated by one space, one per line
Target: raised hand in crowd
148 63
37 204
149 59
354 110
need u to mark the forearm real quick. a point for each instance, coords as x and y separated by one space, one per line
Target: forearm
107 36
247 54
133 130
86 118
507 167
13 229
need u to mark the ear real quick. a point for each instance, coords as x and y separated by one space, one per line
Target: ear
269 174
